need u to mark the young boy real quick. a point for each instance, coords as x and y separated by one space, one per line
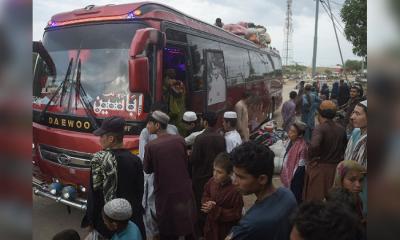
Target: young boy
232 137
116 215
268 218
221 201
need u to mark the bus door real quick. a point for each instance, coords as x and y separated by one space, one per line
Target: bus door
175 81
215 80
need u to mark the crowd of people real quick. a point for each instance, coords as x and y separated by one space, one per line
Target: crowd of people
326 162
192 186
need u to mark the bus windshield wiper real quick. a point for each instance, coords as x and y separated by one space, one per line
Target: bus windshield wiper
62 86
80 94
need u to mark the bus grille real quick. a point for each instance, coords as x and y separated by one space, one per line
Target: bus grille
65 157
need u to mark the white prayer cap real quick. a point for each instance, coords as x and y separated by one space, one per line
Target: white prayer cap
189 116
364 103
230 115
118 209
160 117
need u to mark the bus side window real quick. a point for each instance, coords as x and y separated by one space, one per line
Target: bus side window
237 64
198 83
258 66
216 77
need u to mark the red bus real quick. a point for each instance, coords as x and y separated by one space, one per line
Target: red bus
100 61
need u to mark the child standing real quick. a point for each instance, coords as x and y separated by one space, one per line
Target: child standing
116 215
232 137
221 201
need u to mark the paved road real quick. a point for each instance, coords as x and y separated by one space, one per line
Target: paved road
288 86
50 217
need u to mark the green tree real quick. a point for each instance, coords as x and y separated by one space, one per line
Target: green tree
353 65
354 16
300 68
328 72
294 69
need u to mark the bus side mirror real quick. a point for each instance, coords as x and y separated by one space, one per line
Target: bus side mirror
139 63
38 48
139 75
145 37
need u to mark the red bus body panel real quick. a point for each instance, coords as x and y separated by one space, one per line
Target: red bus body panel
76 141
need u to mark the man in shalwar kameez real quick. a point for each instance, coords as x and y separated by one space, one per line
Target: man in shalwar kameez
174 199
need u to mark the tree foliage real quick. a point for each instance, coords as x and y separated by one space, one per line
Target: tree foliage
294 69
354 16
328 72
353 65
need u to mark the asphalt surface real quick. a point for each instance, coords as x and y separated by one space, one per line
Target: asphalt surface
50 218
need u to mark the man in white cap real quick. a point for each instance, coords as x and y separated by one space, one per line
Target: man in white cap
148 197
191 123
146 137
116 215
174 199
232 136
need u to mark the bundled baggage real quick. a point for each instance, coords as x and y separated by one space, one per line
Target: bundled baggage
275 139
235 29
255 33
267 134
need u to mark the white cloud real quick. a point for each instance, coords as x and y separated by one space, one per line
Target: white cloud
268 13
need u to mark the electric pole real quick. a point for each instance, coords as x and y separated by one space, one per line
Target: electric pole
314 61
337 39
288 31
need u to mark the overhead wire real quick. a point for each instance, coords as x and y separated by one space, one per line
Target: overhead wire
336 3
336 12
336 19
338 26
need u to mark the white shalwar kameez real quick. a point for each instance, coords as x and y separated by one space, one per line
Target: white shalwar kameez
232 139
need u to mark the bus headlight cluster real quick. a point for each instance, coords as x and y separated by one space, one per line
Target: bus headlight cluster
55 188
82 189
69 193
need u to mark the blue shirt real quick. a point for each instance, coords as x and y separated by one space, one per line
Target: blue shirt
268 219
309 109
131 232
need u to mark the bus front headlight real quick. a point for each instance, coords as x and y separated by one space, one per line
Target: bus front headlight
55 188
69 193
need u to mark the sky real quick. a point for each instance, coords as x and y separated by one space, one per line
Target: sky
269 13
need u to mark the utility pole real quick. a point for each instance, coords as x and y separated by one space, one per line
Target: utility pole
314 61
288 32
337 40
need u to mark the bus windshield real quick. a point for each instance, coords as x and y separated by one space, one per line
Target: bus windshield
94 58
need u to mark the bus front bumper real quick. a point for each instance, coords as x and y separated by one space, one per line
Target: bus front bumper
41 189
